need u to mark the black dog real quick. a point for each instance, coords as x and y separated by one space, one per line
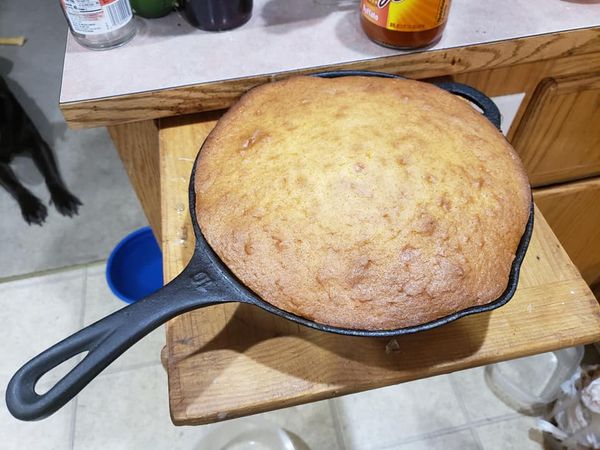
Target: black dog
18 135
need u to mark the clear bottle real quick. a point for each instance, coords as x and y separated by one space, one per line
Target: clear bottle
100 24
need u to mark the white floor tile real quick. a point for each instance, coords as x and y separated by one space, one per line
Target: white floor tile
312 422
53 433
513 434
129 410
461 440
309 427
100 302
36 313
480 402
391 415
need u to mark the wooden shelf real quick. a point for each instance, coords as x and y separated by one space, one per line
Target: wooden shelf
232 360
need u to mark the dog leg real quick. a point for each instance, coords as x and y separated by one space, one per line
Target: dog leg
32 209
66 203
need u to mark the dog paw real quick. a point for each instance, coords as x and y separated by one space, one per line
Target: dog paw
65 202
33 210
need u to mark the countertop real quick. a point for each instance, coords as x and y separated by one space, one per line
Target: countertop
287 35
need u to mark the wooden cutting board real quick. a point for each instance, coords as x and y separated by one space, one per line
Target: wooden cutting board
232 360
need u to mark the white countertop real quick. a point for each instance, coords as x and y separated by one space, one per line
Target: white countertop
285 35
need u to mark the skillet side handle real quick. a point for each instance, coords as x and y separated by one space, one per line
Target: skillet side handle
489 108
104 341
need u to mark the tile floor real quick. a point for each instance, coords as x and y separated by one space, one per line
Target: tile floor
126 406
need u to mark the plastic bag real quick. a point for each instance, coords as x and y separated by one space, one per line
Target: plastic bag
575 417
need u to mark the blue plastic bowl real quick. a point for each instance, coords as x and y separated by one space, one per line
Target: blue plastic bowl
134 268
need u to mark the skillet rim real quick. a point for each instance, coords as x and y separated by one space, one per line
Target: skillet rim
246 295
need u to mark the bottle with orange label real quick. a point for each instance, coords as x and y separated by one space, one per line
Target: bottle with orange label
404 24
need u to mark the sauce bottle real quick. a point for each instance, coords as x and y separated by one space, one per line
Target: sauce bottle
404 24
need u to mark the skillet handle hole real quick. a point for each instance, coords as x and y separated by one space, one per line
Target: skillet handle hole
49 379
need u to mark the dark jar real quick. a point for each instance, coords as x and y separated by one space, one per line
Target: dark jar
217 15
404 24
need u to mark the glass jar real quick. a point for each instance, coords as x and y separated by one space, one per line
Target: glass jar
99 24
404 24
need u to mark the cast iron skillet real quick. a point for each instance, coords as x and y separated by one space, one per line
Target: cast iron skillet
204 282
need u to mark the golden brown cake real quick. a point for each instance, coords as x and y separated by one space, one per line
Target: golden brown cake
364 203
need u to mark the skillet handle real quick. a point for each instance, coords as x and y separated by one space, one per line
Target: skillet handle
105 340
488 107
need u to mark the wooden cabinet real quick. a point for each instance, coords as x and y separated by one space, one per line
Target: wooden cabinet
558 139
558 136
573 212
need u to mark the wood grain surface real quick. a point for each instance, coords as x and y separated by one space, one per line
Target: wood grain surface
137 145
233 360
558 137
211 96
573 212
525 78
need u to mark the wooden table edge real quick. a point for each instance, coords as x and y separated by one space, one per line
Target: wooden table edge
182 419
179 417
